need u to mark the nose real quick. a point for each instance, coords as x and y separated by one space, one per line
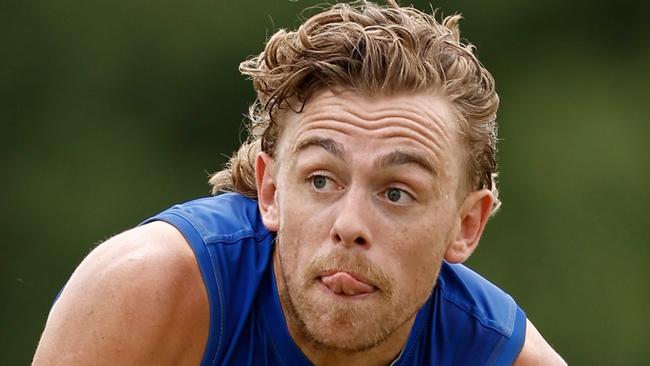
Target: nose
352 218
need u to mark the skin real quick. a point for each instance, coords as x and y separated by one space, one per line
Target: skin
137 299
366 188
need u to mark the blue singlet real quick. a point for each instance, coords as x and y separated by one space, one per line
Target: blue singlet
466 321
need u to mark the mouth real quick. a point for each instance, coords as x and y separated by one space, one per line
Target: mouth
346 284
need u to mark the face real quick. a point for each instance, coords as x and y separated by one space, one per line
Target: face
365 208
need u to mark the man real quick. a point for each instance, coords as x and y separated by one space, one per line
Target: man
366 182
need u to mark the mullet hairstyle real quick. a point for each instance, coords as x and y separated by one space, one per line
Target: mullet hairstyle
372 50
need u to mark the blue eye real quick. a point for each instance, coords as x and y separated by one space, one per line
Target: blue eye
319 181
394 194
398 195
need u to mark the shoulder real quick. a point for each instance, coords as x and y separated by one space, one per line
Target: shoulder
480 316
478 297
493 308
536 351
137 298
233 250
226 217
226 235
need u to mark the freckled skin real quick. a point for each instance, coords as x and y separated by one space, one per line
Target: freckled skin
351 223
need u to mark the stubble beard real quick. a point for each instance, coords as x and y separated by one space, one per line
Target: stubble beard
344 327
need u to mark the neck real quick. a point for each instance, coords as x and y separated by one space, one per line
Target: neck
382 354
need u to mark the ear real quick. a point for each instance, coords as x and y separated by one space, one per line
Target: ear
266 190
472 217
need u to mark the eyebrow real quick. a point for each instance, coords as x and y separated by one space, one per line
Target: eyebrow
400 157
394 158
333 147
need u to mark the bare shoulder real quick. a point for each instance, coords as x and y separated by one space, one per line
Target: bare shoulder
536 351
138 298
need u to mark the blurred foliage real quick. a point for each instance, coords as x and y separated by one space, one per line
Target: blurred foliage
113 111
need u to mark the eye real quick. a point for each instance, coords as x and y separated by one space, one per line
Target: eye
397 195
321 182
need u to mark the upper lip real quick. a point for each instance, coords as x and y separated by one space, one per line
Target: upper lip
354 275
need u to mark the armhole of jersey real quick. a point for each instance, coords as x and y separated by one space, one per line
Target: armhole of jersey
210 279
508 349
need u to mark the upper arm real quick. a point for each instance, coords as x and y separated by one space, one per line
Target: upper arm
536 351
136 299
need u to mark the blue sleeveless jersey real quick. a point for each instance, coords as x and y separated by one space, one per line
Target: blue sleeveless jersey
466 321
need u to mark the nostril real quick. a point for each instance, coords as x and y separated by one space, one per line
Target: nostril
359 240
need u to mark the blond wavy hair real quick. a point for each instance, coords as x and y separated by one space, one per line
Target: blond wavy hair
375 50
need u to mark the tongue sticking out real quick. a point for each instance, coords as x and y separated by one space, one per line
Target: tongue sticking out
344 283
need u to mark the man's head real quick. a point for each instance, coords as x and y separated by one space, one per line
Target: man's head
372 156
375 51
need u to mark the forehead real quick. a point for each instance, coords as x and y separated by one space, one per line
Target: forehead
424 123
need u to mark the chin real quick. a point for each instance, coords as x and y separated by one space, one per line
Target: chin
341 323
346 337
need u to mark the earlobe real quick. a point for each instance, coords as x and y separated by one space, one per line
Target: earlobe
472 218
266 190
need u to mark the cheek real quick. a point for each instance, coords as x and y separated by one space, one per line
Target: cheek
302 230
421 261
417 257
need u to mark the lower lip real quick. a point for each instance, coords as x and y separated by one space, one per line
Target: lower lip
342 295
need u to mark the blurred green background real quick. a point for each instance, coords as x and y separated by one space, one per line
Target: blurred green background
112 111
